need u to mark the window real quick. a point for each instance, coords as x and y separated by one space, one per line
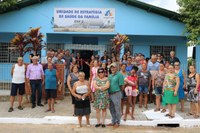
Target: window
6 55
165 50
55 46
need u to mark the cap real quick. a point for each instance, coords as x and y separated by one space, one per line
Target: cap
113 65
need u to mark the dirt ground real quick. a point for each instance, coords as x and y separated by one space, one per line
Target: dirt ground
29 128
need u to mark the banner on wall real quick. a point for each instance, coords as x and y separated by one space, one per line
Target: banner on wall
84 19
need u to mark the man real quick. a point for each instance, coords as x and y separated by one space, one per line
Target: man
35 76
160 58
153 66
54 58
44 59
172 58
67 58
137 63
104 57
18 83
116 85
59 60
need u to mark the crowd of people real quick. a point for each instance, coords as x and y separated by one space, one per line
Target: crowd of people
113 84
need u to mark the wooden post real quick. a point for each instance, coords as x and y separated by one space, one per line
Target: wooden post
61 73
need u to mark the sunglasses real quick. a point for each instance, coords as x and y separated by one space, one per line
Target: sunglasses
101 72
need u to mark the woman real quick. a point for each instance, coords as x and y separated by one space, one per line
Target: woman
109 62
81 91
94 74
91 64
101 96
157 84
79 61
71 79
170 89
124 59
49 61
144 83
51 77
192 86
131 91
124 73
182 86
73 63
104 66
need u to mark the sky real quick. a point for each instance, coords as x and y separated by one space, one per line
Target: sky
170 5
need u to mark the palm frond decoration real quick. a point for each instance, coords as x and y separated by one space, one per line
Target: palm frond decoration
117 42
30 41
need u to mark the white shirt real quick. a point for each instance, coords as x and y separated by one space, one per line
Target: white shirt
18 74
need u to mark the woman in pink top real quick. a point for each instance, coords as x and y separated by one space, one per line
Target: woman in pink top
131 91
94 74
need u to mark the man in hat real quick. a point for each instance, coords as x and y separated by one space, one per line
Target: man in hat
35 76
116 85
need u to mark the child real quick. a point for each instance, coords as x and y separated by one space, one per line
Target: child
131 91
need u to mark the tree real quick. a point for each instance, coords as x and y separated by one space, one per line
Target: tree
190 11
5 4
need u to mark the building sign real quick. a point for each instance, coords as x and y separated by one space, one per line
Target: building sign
84 19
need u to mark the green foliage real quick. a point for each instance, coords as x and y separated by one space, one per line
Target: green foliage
5 4
191 61
190 11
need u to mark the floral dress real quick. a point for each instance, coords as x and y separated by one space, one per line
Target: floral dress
101 97
169 88
191 85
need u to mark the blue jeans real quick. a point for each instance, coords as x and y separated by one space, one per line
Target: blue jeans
143 89
36 85
115 107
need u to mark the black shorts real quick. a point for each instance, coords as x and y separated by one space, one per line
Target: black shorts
51 93
20 88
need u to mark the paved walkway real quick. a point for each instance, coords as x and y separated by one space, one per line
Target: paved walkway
65 108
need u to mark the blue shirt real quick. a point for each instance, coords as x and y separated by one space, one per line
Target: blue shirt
50 79
128 69
153 66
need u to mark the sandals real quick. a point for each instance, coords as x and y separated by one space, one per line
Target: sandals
171 117
155 110
196 116
97 125
189 114
103 125
163 110
48 110
167 115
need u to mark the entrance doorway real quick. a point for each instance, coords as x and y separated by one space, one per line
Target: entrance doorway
85 54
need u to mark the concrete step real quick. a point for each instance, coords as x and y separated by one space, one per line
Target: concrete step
5 95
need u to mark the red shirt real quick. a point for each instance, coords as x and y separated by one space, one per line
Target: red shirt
134 80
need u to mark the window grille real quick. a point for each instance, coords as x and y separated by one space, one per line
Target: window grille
165 50
55 46
6 55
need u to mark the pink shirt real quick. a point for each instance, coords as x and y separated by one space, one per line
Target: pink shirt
34 72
